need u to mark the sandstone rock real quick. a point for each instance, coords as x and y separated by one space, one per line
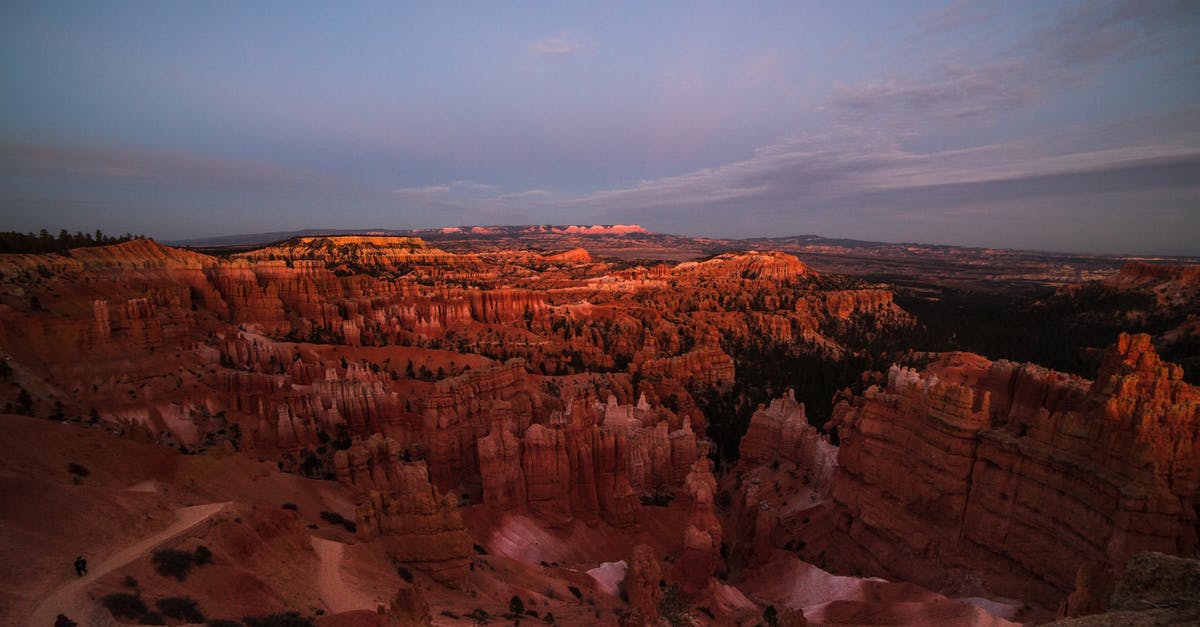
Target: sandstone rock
396 502
935 473
702 536
782 432
409 607
641 584
1152 589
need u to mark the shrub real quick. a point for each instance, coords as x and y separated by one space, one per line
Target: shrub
575 591
675 606
404 573
79 470
173 563
153 618
549 618
182 608
770 615
202 555
130 582
480 550
291 506
222 622
516 605
288 619
333 518
449 614
122 605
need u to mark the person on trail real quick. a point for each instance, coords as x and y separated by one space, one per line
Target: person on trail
80 566
63 621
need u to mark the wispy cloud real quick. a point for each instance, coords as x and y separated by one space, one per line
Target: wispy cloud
1069 48
560 44
122 162
820 173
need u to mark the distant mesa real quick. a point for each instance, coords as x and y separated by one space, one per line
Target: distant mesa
575 255
765 265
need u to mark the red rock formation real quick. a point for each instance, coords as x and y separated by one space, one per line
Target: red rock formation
708 366
409 607
641 584
767 266
397 503
575 255
702 536
932 476
592 462
782 432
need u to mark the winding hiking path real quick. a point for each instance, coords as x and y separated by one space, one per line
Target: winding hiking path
71 598
337 596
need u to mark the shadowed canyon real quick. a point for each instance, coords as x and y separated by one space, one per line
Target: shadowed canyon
596 425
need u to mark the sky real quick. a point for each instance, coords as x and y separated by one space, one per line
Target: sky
1067 126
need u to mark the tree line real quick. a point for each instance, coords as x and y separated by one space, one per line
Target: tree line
44 242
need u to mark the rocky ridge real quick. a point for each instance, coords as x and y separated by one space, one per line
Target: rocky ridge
1018 475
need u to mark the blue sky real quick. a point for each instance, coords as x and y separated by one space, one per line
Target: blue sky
1062 125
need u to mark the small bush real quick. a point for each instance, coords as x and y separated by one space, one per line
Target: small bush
575 591
130 582
480 550
657 499
173 563
675 606
182 608
771 615
548 618
153 618
335 518
479 615
404 573
449 614
288 619
122 605
516 605
202 555
79 470
291 506
222 622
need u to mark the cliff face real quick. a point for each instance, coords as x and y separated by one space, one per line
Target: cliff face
1018 474
559 387
396 501
594 462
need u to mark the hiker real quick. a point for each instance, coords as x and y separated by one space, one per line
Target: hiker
63 621
80 566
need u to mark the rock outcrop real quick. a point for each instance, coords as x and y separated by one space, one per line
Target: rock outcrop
397 503
642 586
1021 479
1152 589
781 431
594 461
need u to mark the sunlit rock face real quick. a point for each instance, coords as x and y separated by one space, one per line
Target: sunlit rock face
447 394
1015 473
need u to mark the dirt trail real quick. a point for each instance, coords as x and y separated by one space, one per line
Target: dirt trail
71 598
337 596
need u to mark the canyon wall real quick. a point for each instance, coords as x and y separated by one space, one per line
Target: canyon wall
1014 474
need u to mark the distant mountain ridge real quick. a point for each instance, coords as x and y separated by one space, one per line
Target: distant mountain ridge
252 239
